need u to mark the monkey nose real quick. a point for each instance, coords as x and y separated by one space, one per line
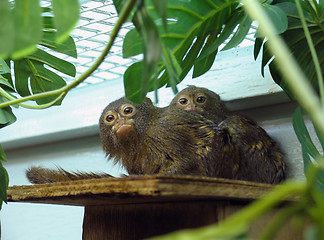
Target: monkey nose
194 108
123 126
124 130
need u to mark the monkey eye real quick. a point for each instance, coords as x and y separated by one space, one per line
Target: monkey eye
110 118
128 110
201 99
183 101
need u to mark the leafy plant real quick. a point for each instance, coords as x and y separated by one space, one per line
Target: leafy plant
27 32
296 39
190 38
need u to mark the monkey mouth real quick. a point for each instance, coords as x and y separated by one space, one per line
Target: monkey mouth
196 110
123 127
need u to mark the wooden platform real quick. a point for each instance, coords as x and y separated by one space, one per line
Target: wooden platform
145 206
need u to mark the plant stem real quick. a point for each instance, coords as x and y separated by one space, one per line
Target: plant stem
290 70
312 50
42 106
62 91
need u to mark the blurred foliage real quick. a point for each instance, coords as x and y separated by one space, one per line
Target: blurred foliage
189 35
295 38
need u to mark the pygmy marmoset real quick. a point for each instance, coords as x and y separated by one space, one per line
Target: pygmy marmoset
147 140
256 156
150 140
215 143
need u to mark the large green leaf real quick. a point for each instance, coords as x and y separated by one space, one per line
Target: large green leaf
66 16
4 73
3 156
277 16
36 71
132 75
4 182
151 47
234 20
67 47
6 33
295 39
240 33
189 26
30 72
6 115
27 27
308 149
303 135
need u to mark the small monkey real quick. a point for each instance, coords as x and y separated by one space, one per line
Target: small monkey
259 158
149 140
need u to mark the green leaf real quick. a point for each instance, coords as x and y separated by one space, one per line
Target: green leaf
321 9
303 135
45 80
131 83
5 72
151 47
234 19
4 68
202 66
30 71
119 5
320 137
66 16
277 16
27 30
6 33
131 45
257 47
2 154
4 182
6 115
240 33
308 149
6 84
312 233
189 26
173 69
295 39
7 75
22 72
54 62
67 47
161 9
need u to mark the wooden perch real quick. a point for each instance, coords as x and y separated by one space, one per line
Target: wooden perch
143 206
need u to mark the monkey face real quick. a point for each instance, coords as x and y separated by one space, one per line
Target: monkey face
193 100
120 121
201 101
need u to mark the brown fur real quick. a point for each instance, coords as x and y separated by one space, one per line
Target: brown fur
40 175
169 141
245 147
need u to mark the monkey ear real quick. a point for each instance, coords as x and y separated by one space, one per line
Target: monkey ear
148 100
